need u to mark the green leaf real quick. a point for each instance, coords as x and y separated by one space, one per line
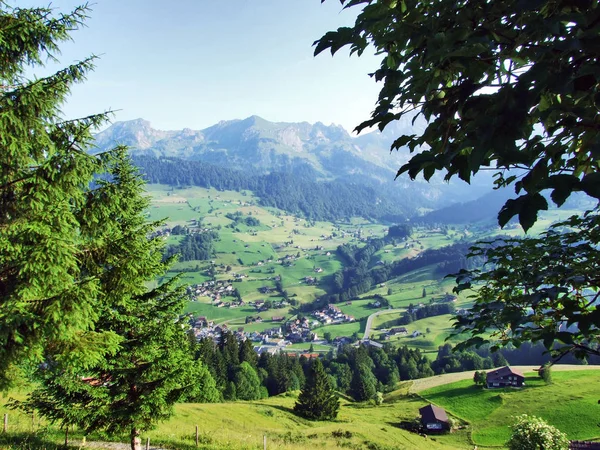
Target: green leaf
563 186
590 184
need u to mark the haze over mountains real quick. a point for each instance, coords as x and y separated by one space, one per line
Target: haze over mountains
265 146
314 152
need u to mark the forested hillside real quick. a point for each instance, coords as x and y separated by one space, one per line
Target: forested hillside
295 193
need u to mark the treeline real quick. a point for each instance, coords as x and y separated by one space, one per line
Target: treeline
359 275
294 193
361 372
431 310
240 374
194 246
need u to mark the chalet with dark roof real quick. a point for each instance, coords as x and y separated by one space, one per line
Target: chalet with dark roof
505 377
434 418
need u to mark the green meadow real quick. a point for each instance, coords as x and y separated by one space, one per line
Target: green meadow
570 403
244 425
311 248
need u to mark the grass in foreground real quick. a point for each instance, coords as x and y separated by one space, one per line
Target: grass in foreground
242 425
570 404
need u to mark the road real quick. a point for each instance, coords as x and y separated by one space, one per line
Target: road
372 316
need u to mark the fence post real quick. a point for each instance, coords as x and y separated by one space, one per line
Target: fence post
148 444
196 435
264 442
5 423
33 421
66 435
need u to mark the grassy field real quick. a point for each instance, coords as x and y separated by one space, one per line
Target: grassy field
242 425
342 329
254 251
570 404
435 330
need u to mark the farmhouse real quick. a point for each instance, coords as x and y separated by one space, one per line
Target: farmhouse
397 330
504 377
434 418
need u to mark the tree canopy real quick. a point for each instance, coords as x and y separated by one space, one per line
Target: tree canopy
532 433
136 385
540 289
77 256
502 85
512 87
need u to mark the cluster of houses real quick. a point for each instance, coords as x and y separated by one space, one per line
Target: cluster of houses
299 330
332 314
271 340
212 289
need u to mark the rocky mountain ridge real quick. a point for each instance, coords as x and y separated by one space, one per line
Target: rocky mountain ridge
317 151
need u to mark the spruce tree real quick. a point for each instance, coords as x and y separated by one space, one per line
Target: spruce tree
132 388
317 401
363 385
45 176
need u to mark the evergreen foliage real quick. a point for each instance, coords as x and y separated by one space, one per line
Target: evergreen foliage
45 174
135 386
317 400
247 383
195 246
360 273
301 195
364 383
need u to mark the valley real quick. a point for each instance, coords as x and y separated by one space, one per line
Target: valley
286 253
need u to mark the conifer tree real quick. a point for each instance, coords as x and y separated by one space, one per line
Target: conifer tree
136 386
363 385
45 174
317 401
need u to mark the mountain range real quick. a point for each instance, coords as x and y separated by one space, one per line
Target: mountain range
322 153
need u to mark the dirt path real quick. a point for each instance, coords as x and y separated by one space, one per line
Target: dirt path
426 383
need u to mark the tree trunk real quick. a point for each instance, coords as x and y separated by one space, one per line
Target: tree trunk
136 442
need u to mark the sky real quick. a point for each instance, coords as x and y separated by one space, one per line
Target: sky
192 63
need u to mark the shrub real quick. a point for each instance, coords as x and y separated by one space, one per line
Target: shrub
533 433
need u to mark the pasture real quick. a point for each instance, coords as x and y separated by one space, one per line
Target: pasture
570 403
293 249
242 425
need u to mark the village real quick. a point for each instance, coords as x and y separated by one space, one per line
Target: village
275 339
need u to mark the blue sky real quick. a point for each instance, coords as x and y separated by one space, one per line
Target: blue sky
187 63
